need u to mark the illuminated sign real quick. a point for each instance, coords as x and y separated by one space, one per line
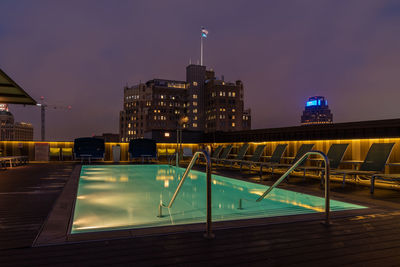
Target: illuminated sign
318 102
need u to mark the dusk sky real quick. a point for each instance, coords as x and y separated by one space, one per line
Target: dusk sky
82 53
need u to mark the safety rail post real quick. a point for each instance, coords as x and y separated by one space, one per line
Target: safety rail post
208 234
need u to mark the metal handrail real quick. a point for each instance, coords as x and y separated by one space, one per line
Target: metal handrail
294 166
208 233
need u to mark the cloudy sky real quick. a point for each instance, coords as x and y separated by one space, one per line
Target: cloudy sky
82 53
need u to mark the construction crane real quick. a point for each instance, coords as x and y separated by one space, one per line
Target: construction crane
43 106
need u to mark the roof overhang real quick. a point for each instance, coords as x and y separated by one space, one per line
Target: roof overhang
12 93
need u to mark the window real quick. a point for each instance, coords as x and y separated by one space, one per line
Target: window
194 96
195 118
233 94
195 104
194 83
195 125
195 110
233 124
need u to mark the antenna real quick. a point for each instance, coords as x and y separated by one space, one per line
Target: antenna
190 61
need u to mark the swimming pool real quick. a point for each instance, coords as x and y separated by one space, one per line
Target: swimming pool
128 196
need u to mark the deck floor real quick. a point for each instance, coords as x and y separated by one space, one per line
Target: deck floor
28 193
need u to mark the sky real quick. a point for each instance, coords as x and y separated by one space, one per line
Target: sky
83 52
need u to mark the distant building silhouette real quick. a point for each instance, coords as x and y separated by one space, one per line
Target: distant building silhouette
13 131
209 103
316 111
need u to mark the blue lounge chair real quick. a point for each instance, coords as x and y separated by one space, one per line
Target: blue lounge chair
144 149
89 148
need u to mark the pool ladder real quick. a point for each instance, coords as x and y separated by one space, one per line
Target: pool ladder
208 233
292 168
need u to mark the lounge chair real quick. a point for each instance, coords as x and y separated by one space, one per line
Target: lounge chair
162 152
303 149
216 152
335 155
223 155
55 152
187 152
275 157
144 149
239 157
391 177
89 148
374 162
66 152
254 158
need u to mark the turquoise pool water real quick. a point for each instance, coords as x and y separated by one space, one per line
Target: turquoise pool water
127 196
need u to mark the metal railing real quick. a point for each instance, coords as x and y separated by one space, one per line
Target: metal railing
293 167
208 233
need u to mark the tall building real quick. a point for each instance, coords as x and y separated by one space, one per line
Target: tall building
210 104
13 131
316 111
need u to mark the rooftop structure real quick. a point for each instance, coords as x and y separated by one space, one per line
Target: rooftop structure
13 131
211 104
316 111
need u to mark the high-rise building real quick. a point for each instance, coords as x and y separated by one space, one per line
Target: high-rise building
316 111
159 104
13 131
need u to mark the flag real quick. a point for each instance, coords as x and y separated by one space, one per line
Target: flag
204 32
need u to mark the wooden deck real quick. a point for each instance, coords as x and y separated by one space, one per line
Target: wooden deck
28 193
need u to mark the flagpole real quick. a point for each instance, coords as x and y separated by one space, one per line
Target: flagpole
201 49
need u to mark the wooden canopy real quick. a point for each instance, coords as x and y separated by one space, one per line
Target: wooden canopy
12 93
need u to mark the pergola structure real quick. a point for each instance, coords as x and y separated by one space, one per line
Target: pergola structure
12 93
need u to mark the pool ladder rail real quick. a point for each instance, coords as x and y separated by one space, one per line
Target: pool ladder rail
208 234
292 168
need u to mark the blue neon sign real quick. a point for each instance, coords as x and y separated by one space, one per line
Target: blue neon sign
318 102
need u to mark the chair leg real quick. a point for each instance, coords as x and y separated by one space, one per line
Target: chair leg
372 184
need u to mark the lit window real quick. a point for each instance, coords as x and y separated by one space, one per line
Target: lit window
195 104
233 117
195 118
194 96
233 110
194 83
233 94
166 134
194 125
195 110
233 124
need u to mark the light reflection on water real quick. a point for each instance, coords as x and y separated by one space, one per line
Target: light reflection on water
127 196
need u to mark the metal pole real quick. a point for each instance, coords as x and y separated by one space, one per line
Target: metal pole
42 113
327 189
177 147
201 50
208 234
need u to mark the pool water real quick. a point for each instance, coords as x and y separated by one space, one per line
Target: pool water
128 196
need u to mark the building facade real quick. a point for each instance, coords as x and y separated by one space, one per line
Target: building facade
13 131
209 104
316 111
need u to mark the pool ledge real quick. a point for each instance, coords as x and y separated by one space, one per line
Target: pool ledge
56 229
